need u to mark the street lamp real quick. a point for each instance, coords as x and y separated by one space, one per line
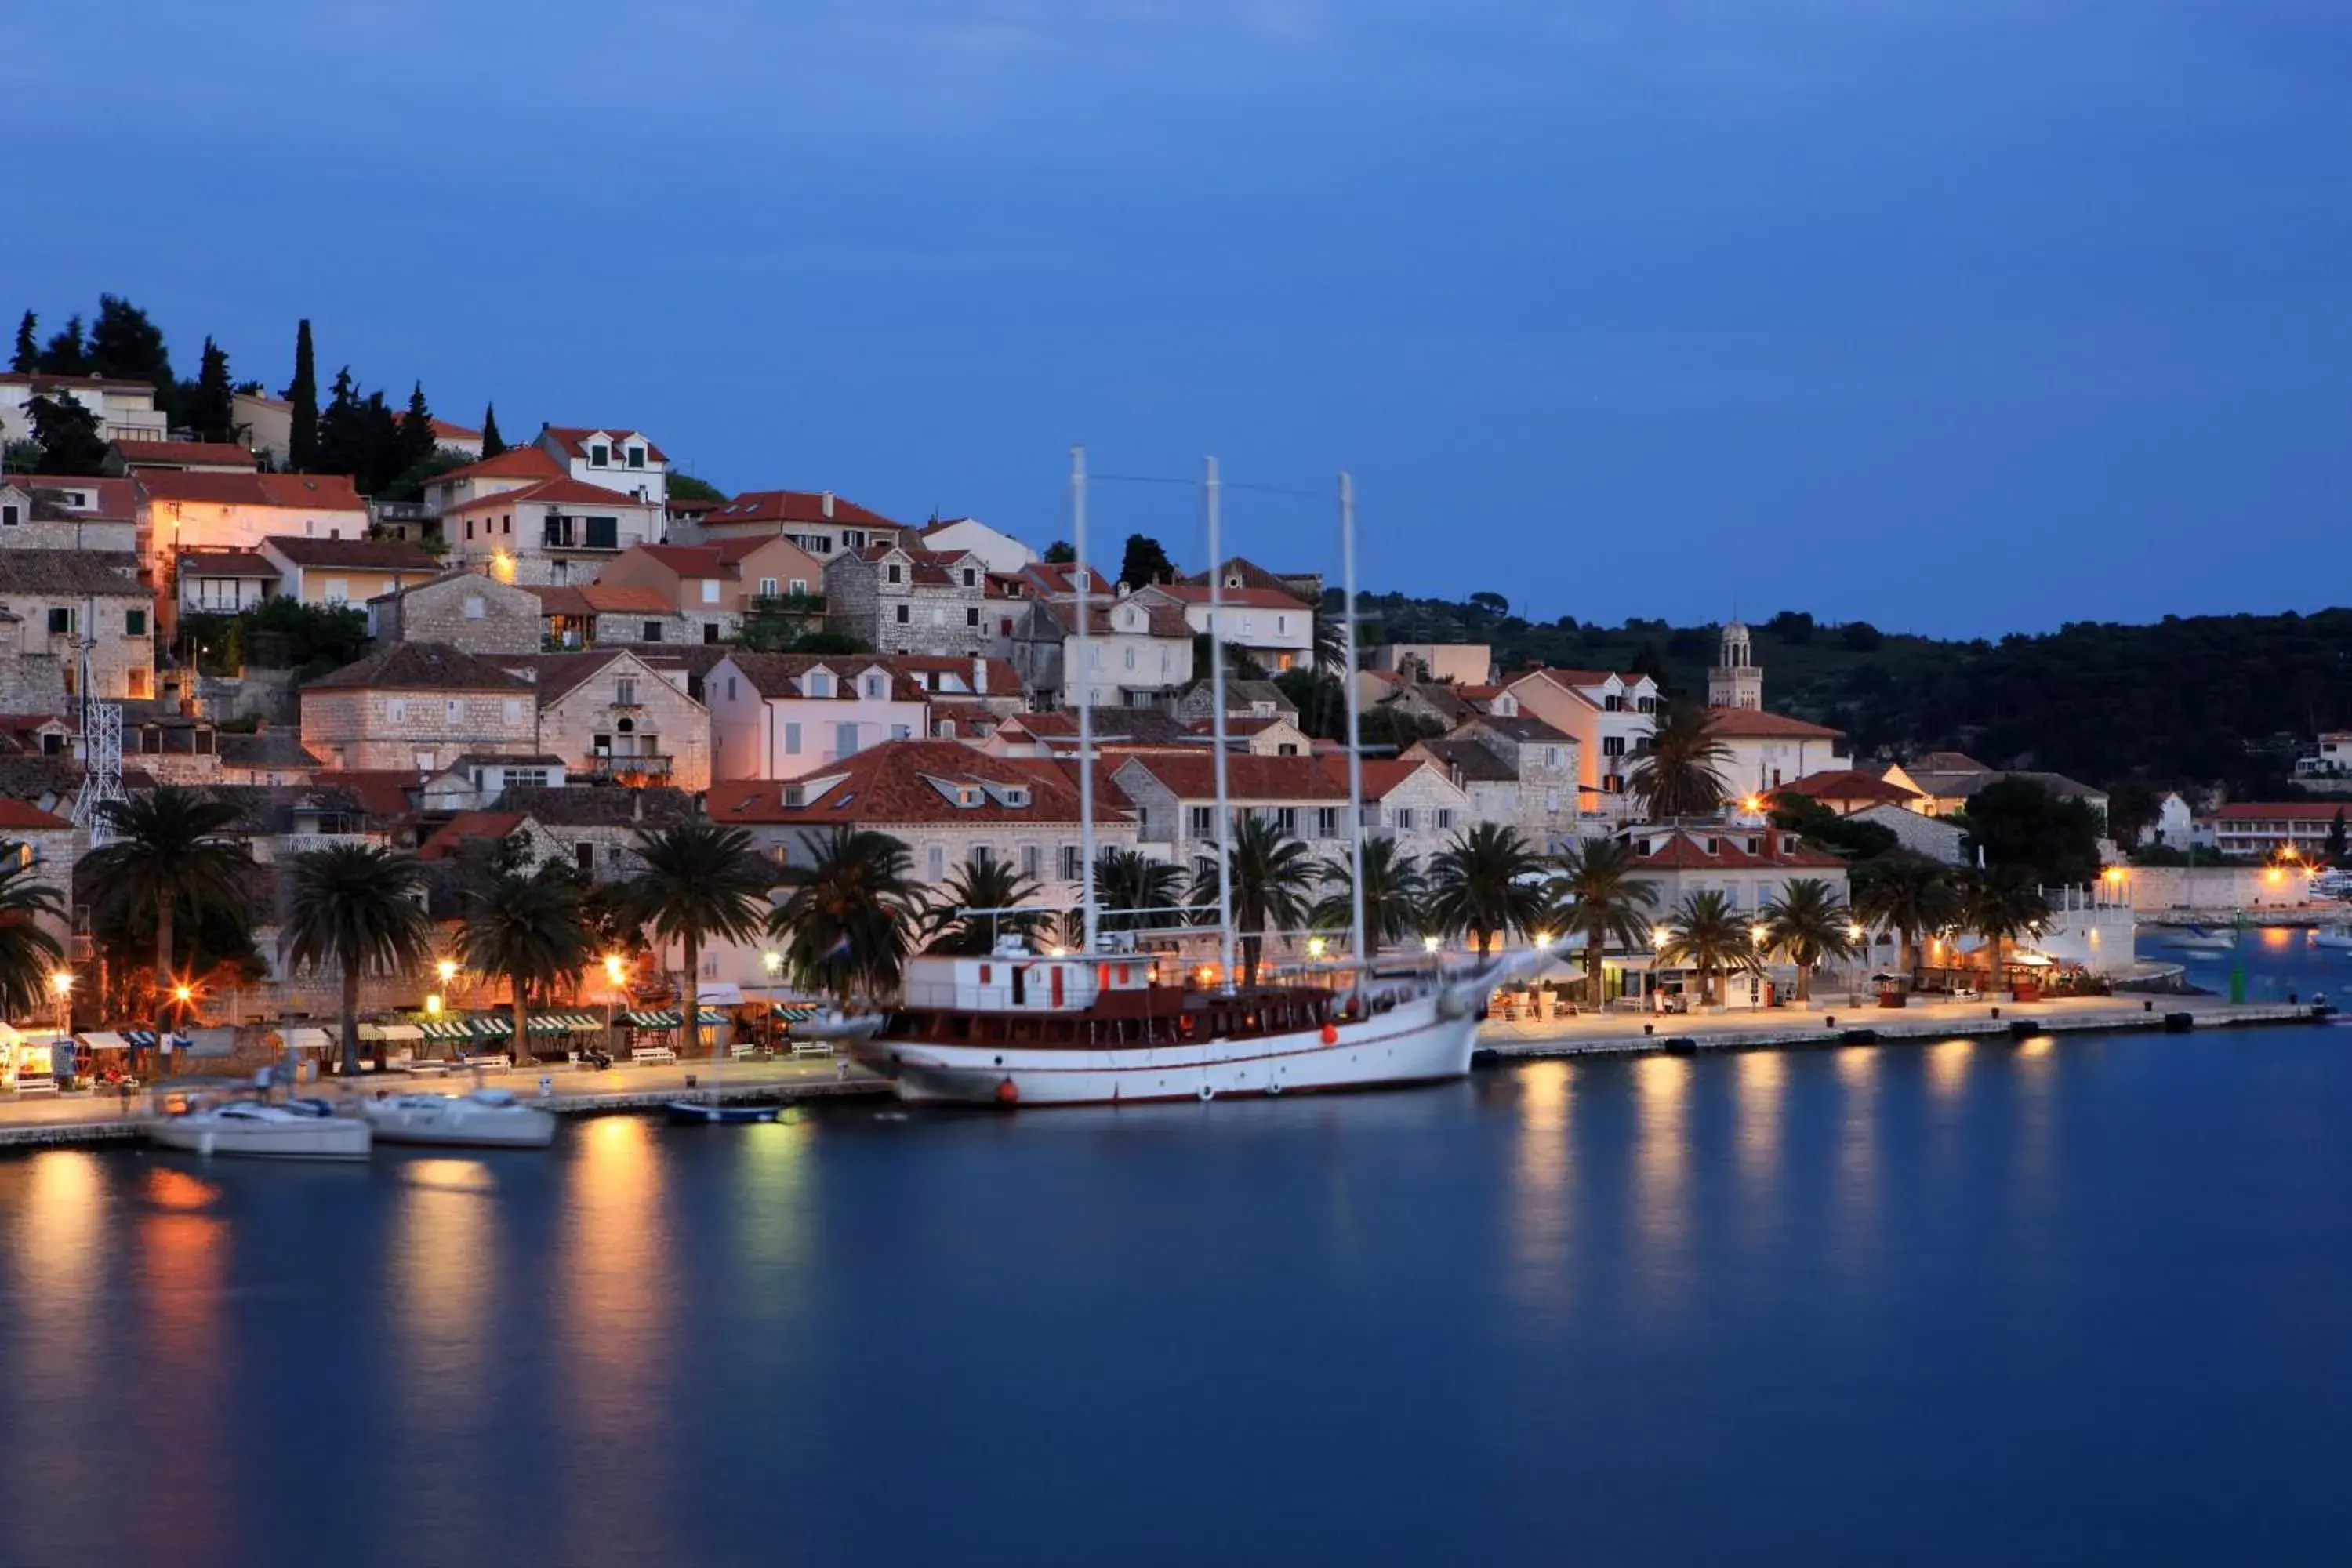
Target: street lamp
447 969
62 982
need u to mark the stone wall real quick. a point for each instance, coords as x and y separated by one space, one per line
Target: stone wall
570 725
395 730
471 612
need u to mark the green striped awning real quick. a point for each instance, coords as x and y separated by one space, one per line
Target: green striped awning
493 1027
446 1029
796 1015
711 1017
564 1023
653 1020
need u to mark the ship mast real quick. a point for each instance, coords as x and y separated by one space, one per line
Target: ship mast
1217 717
1355 734
1085 706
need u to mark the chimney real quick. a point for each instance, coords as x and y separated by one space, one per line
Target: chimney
828 506
980 673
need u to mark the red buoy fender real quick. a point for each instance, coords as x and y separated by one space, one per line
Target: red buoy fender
1008 1093
1330 1033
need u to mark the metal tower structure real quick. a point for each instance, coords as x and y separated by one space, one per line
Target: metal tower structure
101 748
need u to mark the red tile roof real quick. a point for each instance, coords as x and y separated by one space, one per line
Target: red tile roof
420 666
1685 851
514 463
797 507
574 439
173 454
1847 783
1749 724
602 599
1381 775
444 430
20 815
382 792
1193 776
226 563
112 499
890 785
563 491
692 560
1238 598
2321 811
304 492
488 826
361 554
779 675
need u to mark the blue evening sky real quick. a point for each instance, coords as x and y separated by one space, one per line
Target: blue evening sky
1957 315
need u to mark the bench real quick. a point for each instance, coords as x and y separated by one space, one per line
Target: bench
431 1067
745 1051
35 1083
653 1056
811 1047
498 1059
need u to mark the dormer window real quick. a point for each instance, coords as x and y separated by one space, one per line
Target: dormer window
892 573
969 577
820 683
795 795
600 456
637 456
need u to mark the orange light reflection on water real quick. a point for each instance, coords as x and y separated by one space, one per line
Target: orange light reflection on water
1542 1174
1662 1174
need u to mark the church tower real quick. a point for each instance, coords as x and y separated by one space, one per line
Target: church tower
1735 682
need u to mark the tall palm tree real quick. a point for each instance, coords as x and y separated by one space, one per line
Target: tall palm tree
355 909
1597 894
524 926
1807 922
1135 892
1395 891
845 925
1999 905
1271 877
1485 883
991 885
699 880
167 857
1909 898
1706 933
1681 773
28 955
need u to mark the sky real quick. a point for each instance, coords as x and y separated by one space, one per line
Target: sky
1958 317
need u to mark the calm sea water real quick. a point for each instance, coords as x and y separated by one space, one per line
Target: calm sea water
2052 1302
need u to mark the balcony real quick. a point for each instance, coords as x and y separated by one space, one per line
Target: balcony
604 765
573 533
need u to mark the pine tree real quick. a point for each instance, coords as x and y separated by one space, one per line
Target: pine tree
64 354
380 448
68 435
124 345
28 357
415 441
2333 849
492 442
211 408
302 445
341 445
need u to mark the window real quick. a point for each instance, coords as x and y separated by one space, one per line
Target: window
710 590
935 862
844 740
820 683
475 609
1614 703
469 528
505 524
583 855
981 858
730 689
1551 756
624 691
8 515
874 683
603 533
1033 860
652 632
600 745
1552 800
853 539
792 740
1613 745
1199 822
1444 819
457 709
767 587
1286 821
971 616
1327 822
891 574
1282 624
1403 816
134 623
901 732
338 590
600 456
967 578
901 616
138 682
61 622
637 456
424 761
514 711
800 586
1073 867
1131 657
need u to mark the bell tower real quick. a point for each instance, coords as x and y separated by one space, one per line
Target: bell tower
1735 682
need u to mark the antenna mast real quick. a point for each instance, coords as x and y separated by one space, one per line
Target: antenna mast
101 745
1355 734
1217 701
1085 706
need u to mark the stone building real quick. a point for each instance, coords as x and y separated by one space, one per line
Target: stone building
1516 769
464 610
612 716
1175 793
51 601
43 842
1410 801
52 511
897 600
414 706
559 531
592 830
594 615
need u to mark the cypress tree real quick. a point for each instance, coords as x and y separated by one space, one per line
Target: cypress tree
2335 847
492 442
211 408
340 441
415 442
63 354
302 445
28 357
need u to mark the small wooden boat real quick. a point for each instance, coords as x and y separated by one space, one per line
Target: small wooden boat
687 1112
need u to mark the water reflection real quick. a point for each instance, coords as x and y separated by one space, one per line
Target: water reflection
443 1245
1540 1197
184 1250
1662 1171
1857 1181
1947 1068
773 1220
1761 1087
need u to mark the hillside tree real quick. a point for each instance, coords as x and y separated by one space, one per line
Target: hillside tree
124 345
302 392
65 353
28 357
492 442
210 408
1145 562
68 435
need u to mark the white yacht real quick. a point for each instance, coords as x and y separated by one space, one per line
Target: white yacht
253 1129
483 1119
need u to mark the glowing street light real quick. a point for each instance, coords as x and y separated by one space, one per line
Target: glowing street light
1854 931
1758 932
1314 947
1543 939
433 1005
448 970
1431 944
615 969
773 962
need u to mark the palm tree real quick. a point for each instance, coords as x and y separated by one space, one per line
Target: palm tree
699 880
1596 893
1808 922
981 885
1706 933
166 858
1681 773
355 909
844 926
1271 875
28 955
524 926
1485 883
1135 892
1395 893
2000 904
1909 898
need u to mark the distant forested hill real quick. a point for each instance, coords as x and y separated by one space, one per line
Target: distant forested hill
2200 699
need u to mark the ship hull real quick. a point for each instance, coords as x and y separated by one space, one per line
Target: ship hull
1415 1042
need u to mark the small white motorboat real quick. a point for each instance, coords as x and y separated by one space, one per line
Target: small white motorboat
2332 936
254 1130
2202 940
835 1025
484 1119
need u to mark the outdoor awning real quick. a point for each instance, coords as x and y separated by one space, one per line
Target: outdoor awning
797 1013
104 1040
711 1019
373 1032
653 1020
309 1039
721 994
565 1023
143 1039
493 1026
398 1032
446 1029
